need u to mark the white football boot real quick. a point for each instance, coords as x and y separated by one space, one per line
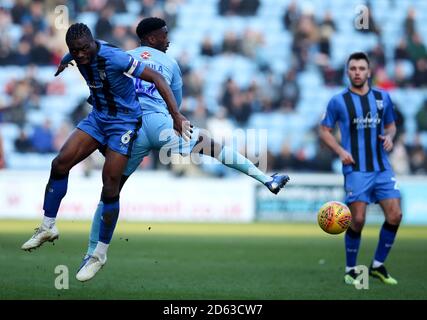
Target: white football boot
41 236
91 267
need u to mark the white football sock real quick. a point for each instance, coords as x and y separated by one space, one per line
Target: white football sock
101 250
348 269
48 222
376 264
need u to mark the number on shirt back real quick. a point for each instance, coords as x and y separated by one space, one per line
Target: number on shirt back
144 87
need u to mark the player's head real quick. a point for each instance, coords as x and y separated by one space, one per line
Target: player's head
358 70
153 32
81 43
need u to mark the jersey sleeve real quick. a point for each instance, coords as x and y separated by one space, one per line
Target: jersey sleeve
389 114
125 63
67 58
331 115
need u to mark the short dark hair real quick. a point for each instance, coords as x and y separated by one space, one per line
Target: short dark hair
77 31
358 56
147 25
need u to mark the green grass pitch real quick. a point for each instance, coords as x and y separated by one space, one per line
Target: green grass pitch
208 261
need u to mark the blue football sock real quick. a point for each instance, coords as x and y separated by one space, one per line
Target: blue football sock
94 230
55 190
110 215
352 244
235 160
387 235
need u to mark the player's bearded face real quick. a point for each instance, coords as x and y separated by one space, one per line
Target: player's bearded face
358 72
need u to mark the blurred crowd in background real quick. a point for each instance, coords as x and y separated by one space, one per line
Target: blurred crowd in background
30 40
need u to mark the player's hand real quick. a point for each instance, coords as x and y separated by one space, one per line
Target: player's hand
182 126
62 67
387 142
346 158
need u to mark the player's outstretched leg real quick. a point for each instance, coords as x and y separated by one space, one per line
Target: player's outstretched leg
54 192
233 159
94 234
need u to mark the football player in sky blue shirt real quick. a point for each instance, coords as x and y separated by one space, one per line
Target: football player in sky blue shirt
366 120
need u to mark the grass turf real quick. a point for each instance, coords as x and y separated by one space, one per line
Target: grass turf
208 261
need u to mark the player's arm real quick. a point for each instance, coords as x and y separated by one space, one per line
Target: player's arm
329 139
388 136
389 125
176 83
180 123
66 60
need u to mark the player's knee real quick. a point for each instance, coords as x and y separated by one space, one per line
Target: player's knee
59 166
111 185
395 217
357 223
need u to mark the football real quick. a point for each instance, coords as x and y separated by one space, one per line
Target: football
334 217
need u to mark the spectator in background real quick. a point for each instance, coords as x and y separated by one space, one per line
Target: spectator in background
291 17
304 38
377 57
39 53
231 43
118 6
147 8
19 11
2 156
238 7
240 109
326 29
421 118
119 36
418 159
290 91
36 16
248 7
409 23
416 48
42 138
285 160
251 42
420 73
23 143
103 27
401 51
22 56
401 77
208 48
